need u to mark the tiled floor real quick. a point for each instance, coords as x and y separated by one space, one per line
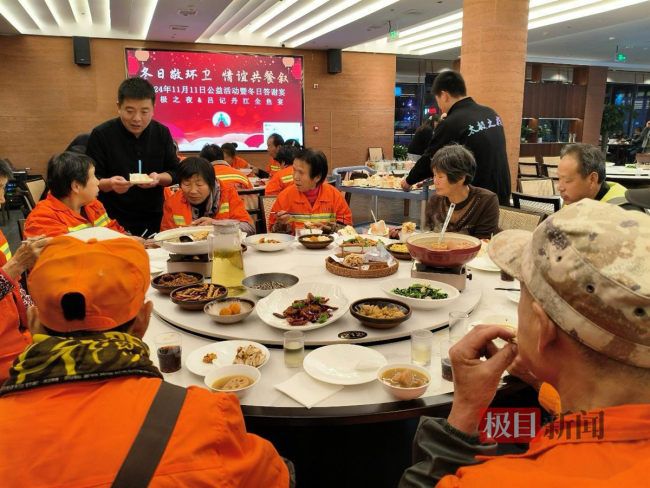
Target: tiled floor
390 209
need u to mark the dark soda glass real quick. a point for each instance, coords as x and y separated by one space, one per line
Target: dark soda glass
169 358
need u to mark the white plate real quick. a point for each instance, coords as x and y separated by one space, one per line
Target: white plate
513 296
201 247
418 303
336 364
285 241
225 352
279 300
484 264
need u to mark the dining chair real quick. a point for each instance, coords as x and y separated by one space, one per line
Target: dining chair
375 153
266 204
534 203
36 187
529 169
536 186
549 170
512 218
528 159
553 160
5 213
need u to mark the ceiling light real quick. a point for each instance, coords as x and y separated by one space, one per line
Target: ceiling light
429 25
274 11
310 7
147 17
455 26
436 40
330 12
54 10
81 11
359 14
612 38
32 13
539 3
4 10
440 47
581 12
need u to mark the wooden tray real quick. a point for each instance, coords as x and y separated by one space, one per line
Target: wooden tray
377 270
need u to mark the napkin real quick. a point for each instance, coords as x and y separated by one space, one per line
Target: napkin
306 390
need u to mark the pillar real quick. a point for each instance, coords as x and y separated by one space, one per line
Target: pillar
595 77
493 63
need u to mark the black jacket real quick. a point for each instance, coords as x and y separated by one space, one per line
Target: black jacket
420 141
480 130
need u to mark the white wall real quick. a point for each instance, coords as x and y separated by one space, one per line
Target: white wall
634 77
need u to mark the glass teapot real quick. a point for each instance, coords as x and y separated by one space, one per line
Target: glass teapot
227 256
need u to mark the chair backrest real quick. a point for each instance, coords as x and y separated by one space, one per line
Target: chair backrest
21 228
549 170
643 159
536 186
546 205
554 160
36 188
512 218
266 204
528 169
375 153
26 196
556 181
531 159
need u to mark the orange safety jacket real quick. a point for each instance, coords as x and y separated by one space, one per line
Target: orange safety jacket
80 433
239 163
12 314
52 218
280 180
231 177
573 458
329 206
273 167
177 211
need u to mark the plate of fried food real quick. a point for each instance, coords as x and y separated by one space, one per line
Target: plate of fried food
194 297
380 313
270 242
316 241
399 251
305 306
204 359
168 282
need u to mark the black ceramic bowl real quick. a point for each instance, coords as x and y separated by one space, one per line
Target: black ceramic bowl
167 289
200 303
380 302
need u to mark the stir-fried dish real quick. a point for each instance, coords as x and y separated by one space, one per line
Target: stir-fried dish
423 292
313 309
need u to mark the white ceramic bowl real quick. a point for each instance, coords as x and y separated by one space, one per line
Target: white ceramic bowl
212 309
418 303
188 248
404 393
233 370
285 241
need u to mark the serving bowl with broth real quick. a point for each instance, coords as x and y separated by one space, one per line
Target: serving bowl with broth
237 378
404 380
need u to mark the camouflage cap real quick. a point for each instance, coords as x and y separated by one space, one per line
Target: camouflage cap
588 265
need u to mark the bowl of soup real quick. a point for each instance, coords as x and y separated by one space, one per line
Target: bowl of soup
455 249
234 378
404 380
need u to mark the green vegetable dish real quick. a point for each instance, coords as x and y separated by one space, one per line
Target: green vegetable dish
423 292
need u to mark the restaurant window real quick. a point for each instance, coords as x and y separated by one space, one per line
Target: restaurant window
407 111
556 130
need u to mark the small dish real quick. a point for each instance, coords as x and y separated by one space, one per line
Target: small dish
399 255
377 323
337 364
196 304
286 279
404 393
316 241
226 352
213 309
167 289
233 370
388 286
284 241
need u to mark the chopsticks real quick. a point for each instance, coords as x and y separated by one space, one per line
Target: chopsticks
508 289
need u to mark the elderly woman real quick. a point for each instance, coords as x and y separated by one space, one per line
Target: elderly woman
310 201
477 209
14 337
283 178
203 199
226 174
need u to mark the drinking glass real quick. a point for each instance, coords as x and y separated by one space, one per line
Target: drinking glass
458 325
421 347
445 362
169 349
294 348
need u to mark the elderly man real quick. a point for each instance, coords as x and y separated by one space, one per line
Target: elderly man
581 174
77 398
584 329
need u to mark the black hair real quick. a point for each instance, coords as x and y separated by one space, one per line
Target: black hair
317 162
277 139
455 161
430 122
66 168
229 148
175 144
451 82
136 89
292 143
81 140
196 165
78 149
286 155
5 170
590 159
211 152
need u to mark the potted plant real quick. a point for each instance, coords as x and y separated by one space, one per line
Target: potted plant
542 132
526 132
613 117
399 152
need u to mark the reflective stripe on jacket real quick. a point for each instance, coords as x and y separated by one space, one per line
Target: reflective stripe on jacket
273 167
5 252
232 177
280 180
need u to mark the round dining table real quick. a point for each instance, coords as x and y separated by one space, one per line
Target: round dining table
362 403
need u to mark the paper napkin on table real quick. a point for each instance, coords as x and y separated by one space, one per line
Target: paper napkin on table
306 390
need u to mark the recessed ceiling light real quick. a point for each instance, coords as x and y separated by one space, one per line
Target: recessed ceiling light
612 38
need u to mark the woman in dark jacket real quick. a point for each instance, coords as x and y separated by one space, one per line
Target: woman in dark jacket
422 137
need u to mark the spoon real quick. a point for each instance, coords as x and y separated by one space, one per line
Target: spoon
368 365
444 227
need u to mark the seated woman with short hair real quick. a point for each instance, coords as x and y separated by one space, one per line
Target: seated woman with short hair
477 209
203 199
71 202
284 178
226 174
310 201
